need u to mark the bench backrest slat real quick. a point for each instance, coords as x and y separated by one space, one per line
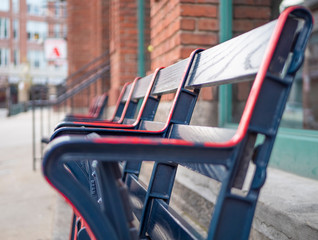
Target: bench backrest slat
141 87
169 78
235 59
126 93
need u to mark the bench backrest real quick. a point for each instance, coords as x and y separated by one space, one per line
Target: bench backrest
262 55
97 110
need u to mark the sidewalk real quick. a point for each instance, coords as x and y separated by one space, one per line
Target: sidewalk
29 207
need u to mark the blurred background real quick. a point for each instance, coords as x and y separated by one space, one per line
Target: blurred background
56 56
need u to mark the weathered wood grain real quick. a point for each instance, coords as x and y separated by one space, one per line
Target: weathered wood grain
203 134
126 94
142 87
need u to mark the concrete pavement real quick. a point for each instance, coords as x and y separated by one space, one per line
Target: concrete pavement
29 208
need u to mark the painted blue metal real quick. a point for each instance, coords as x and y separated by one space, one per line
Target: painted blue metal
233 214
225 91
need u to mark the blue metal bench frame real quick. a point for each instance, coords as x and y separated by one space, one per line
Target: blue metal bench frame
233 213
146 113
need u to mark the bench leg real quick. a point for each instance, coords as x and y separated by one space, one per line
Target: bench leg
160 187
115 201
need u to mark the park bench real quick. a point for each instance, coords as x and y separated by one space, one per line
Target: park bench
120 109
124 107
95 111
270 55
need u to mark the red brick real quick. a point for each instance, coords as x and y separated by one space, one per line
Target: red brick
198 39
253 2
243 91
242 25
251 12
198 10
206 94
208 24
187 24
186 51
257 23
187 1
208 1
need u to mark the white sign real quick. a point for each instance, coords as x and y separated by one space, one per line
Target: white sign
55 48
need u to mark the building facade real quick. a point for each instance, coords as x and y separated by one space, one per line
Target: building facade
25 25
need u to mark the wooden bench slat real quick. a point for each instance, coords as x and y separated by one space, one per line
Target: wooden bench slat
151 125
137 195
142 87
203 134
238 58
126 94
200 133
170 77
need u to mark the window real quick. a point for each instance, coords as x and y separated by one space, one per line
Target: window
305 90
4 28
297 137
64 9
16 57
57 30
4 56
301 111
37 30
16 29
4 5
57 9
36 59
36 7
16 6
65 31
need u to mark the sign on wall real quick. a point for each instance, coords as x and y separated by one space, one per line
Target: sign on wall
55 48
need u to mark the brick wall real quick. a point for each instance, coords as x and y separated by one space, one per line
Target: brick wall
180 26
123 44
173 29
87 32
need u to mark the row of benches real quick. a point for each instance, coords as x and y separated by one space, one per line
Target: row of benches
82 159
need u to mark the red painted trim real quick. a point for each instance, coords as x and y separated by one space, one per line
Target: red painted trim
120 125
142 141
128 101
99 105
249 107
174 104
111 120
119 100
259 79
172 109
104 124
181 85
77 213
144 102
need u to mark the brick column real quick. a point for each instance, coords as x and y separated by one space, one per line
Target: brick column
87 34
123 45
178 27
